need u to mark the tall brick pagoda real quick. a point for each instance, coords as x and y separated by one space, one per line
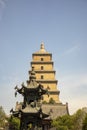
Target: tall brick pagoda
45 74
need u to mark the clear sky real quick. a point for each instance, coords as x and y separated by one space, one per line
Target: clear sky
62 25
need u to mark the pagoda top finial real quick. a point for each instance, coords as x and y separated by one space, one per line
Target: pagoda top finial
42 48
42 45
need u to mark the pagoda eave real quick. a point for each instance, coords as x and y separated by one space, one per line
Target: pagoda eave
34 114
42 54
31 88
41 62
54 92
47 81
44 71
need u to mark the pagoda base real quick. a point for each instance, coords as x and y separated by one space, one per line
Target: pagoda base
55 110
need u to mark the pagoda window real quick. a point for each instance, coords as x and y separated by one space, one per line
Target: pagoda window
42 76
42 67
42 59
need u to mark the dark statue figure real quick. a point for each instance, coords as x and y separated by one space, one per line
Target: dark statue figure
29 111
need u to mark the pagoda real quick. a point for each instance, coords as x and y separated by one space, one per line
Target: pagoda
46 75
30 110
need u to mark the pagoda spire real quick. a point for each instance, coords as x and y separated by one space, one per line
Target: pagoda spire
42 47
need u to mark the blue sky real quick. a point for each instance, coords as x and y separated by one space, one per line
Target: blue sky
62 25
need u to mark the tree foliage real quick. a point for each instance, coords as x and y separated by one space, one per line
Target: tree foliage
78 119
2 117
51 101
14 123
84 126
63 123
71 122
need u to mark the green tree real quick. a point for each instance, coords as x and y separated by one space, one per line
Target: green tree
2 117
14 123
78 118
84 125
51 101
44 102
63 123
71 122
